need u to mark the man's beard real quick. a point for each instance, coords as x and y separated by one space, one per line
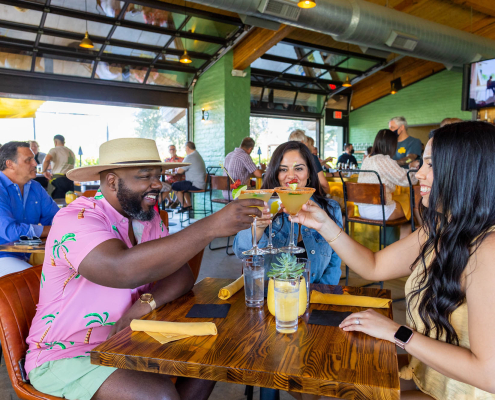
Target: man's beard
131 203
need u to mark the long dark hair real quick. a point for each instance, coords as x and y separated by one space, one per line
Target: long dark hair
385 143
461 210
271 178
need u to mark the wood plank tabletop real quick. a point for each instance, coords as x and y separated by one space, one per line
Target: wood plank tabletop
11 248
317 359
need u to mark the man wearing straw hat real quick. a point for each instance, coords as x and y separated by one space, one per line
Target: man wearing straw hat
96 278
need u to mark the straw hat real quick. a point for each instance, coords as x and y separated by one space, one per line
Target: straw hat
123 153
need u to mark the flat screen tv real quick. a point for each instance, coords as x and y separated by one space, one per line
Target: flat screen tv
479 85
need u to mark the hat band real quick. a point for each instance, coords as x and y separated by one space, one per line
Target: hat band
137 162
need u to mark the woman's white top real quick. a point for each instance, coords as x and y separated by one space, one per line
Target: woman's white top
390 172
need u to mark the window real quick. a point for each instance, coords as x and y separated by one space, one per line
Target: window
333 137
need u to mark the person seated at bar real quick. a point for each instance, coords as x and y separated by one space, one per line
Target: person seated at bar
241 166
300 136
447 121
450 264
63 160
314 151
195 177
347 158
408 148
39 157
391 175
110 260
171 179
26 209
293 160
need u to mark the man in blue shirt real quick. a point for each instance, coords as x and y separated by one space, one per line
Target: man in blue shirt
25 207
408 148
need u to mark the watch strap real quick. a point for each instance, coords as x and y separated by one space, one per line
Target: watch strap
402 344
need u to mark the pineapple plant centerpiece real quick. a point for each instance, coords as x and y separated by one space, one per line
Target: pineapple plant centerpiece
284 273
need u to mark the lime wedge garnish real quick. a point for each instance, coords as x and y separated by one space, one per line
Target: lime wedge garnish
237 192
293 186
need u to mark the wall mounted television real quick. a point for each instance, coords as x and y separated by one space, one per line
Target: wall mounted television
478 85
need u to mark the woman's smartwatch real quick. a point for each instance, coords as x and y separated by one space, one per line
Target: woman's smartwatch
148 298
403 336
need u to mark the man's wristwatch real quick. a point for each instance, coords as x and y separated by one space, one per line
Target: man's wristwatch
403 336
148 298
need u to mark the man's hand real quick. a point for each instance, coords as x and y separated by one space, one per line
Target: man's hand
235 217
137 311
48 175
263 166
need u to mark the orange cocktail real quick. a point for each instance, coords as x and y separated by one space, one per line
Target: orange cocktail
261 194
293 200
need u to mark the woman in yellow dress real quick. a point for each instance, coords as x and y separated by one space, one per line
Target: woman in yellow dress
450 332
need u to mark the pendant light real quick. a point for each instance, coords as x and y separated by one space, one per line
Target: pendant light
393 89
86 43
306 4
184 58
347 82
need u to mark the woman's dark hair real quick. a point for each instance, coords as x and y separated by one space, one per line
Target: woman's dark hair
271 178
385 143
460 212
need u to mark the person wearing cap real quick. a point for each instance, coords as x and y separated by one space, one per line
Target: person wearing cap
109 259
63 160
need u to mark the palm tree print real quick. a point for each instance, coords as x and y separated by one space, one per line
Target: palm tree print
115 228
80 215
43 279
49 319
99 320
68 237
99 195
62 346
52 261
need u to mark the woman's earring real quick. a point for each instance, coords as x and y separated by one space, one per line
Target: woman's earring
309 181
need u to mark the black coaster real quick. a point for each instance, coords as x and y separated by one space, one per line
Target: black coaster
327 317
208 311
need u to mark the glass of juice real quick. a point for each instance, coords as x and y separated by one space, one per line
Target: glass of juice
261 194
274 205
254 281
293 200
286 304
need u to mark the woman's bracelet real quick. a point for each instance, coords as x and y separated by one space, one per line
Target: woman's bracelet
336 237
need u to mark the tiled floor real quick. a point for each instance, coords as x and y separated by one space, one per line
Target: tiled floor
218 264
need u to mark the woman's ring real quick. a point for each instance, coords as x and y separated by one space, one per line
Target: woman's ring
357 321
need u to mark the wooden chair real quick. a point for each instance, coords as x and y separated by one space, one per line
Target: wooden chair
220 183
164 217
19 294
367 193
89 193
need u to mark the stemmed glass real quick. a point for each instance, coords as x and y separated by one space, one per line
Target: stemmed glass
274 205
261 194
293 200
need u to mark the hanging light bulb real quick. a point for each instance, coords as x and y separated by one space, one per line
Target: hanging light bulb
347 82
306 4
87 43
393 90
184 58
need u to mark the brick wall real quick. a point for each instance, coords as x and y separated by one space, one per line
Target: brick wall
426 102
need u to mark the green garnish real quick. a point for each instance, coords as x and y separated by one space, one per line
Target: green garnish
287 267
293 186
294 194
237 192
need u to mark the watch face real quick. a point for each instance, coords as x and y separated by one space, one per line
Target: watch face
403 334
146 297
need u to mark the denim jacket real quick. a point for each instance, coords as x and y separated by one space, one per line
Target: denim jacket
325 263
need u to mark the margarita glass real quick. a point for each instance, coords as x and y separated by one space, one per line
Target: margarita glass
274 205
293 200
264 195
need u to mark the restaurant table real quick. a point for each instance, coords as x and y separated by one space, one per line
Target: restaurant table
322 360
11 248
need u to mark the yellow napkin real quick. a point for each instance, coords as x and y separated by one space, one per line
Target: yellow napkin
165 332
349 300
228 291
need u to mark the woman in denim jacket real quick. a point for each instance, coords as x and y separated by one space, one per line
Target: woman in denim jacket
293 160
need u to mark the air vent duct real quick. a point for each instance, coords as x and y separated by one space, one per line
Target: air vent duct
280 9
402 41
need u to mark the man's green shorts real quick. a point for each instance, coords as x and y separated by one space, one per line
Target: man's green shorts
70 378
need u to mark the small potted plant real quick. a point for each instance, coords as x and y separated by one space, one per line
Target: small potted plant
285 273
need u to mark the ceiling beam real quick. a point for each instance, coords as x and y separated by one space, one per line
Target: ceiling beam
410 70
257 43
483 6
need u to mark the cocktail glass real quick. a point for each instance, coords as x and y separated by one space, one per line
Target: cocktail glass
274 205
293 200
261 194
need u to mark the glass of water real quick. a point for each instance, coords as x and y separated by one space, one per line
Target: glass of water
306 276
286 304
254 277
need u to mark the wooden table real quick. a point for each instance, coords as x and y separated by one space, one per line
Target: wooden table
22 249
247 350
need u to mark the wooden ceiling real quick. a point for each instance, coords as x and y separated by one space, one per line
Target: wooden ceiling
475 16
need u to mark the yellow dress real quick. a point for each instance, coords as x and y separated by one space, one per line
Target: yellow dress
427 379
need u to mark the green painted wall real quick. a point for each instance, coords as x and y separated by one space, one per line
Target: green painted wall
426 102
227 100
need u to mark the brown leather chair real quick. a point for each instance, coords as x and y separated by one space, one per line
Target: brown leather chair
19 294
164 217
89 193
